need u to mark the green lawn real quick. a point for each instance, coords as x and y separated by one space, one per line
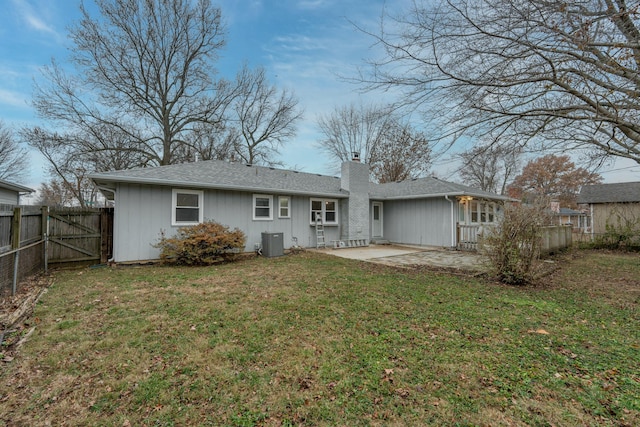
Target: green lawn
315 340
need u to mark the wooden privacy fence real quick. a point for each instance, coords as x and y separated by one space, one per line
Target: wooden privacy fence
32 238
552 238
556 238
80 235
22 246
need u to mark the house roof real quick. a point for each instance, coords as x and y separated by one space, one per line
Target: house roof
216 174
15 187
622 192
569 212
428 187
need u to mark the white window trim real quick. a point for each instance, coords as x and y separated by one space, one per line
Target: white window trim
253 209
174 203
479 212
323 211
288 199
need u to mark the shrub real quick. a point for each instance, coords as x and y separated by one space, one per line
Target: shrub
202 244
513 245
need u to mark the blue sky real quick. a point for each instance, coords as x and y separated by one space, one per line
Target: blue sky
303 44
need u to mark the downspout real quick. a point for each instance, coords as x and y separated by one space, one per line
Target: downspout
453 228
20 195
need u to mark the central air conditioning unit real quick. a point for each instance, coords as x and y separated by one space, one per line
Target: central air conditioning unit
272 244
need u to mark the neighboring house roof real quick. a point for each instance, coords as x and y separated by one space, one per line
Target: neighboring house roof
569 212
15 187
428 187
217 174
622 192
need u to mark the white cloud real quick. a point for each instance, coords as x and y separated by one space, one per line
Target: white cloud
299 42
33 17
313 4
13 99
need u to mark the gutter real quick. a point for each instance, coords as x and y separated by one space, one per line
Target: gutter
108 190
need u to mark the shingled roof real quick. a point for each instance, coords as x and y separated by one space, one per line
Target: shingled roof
216 174
427 187
622 192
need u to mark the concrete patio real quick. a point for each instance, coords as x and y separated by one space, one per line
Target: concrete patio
411 255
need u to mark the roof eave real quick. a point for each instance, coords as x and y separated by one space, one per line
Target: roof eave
449 194
18 188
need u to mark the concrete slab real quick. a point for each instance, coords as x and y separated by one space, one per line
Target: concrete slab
409 255
370 252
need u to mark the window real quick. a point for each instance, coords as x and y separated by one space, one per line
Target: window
326 209
186 207
283 207
262 207
482 212
473 210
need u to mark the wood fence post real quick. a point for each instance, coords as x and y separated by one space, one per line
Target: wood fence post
16 227
45 236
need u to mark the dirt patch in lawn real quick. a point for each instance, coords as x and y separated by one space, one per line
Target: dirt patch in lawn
16 311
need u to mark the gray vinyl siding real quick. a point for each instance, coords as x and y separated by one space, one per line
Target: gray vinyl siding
8 197
143 211
418 222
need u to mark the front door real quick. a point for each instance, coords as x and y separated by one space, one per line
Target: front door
377 219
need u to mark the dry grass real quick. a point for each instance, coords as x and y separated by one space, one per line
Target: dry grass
315 340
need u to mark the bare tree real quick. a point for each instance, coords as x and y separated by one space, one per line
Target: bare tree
352 129
216 141
392 148
264 116
71 167
490 167
554 74
402 153
55 193
13 158
144 73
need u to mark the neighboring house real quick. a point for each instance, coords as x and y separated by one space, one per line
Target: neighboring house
258 199
611 203
578 220
10 193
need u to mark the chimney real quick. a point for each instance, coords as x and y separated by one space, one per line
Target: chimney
354 212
